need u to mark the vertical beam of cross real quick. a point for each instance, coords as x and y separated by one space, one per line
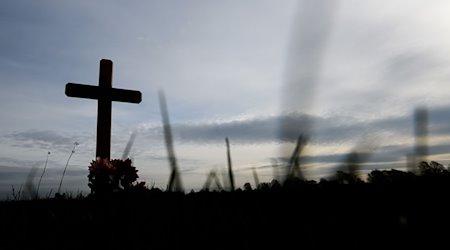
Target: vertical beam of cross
104 107
105 94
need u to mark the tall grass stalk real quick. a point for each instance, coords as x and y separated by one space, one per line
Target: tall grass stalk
65 168
16 195
230 170
294 163
174 180
43 172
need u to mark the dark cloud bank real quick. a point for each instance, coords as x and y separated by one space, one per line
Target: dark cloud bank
331 130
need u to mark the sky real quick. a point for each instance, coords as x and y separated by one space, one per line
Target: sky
346 74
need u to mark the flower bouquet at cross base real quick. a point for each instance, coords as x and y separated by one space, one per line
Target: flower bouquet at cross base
113 176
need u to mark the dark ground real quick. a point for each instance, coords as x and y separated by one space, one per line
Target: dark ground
326 216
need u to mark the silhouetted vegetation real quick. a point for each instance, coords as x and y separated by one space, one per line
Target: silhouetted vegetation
391 208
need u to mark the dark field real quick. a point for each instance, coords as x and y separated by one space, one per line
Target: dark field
305 215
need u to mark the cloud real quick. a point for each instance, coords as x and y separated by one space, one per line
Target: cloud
410 66
255 130
331 129
44 139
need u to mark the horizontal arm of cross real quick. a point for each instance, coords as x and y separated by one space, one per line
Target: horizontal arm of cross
96 92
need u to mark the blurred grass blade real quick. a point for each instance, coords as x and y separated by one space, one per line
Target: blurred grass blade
255 177
29 186
421 137
230 170
174 180
212 176
309 35
294 162
350 169
130 143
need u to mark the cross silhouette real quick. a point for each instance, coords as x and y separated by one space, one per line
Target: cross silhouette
105 94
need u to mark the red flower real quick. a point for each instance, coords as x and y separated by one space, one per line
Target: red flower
106 176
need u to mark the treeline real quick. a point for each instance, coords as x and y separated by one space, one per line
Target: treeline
426 173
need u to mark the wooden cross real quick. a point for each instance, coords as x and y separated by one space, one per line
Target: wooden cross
105 94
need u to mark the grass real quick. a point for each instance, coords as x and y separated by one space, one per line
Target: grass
394 208
65 168
43 172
